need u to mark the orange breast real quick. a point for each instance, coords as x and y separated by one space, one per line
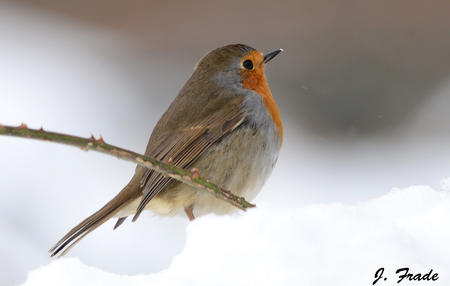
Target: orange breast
256 80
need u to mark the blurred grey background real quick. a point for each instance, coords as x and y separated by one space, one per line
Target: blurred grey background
363 87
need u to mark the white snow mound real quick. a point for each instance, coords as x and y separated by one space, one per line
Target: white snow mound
322 244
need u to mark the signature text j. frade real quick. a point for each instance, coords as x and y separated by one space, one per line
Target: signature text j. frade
404 274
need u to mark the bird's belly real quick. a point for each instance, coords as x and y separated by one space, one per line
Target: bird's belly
241 162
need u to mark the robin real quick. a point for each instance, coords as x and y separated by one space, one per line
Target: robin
224 122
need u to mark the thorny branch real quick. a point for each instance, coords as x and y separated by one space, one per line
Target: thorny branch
190 178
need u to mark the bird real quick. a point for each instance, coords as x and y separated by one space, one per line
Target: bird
224 122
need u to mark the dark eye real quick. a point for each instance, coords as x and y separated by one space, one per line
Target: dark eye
248 64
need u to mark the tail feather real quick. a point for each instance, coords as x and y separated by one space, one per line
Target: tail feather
83 228
119 222
128 194
89 230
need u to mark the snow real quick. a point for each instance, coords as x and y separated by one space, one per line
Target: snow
314 244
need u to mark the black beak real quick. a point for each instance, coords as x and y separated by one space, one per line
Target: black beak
271 55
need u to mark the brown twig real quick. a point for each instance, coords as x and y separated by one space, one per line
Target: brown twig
190 178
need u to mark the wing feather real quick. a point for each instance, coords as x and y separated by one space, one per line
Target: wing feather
186 145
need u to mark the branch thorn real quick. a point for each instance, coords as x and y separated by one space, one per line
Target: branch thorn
100 139
195 173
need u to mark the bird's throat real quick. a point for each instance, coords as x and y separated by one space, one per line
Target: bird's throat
256 81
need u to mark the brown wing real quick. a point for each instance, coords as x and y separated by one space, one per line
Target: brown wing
185 145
